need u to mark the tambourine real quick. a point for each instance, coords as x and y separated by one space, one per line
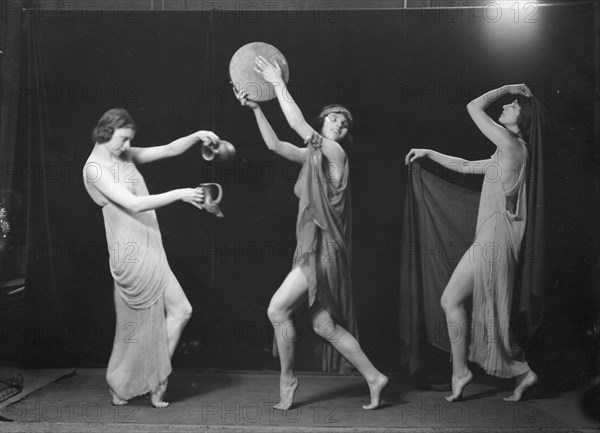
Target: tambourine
245 78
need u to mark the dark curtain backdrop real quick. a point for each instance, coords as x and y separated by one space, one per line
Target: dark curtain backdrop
11 46
406 78
10 62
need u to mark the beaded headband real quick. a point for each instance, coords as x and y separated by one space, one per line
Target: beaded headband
337 109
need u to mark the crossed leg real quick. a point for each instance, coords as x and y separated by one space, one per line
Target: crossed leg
349 348
288 297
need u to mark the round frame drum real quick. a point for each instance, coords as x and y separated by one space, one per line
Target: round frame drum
245 78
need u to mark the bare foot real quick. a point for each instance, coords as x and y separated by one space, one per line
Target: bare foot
523 383
376 388
156 396
458 384
287 389
116 400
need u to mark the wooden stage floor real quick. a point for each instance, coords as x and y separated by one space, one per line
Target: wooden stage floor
219 401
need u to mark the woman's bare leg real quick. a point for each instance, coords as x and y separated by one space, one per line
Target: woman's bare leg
292 292
458 289
178 311
349 348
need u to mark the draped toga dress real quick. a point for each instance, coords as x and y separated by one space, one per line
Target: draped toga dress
495 250
140 357
324 241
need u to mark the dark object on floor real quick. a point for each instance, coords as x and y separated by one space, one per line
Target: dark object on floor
10 387
590 400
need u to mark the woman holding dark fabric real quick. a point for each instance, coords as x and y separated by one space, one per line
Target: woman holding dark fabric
487 270
151 307
322 260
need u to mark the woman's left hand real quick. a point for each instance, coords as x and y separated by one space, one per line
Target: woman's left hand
519 89
269 71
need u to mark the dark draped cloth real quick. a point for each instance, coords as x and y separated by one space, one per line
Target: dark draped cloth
440 217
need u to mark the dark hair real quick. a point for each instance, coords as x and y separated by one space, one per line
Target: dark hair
317 122
114 118
525 115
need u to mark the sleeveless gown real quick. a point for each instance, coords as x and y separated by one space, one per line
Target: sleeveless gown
140 358
500 228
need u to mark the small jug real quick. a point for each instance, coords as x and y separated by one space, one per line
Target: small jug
210 203
221 151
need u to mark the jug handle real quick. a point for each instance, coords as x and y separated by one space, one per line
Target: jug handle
220 188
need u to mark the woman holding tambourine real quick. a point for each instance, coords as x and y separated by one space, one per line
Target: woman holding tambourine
322 260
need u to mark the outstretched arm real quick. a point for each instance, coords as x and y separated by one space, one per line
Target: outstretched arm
450 162
101 176
499 135
142 155
283 148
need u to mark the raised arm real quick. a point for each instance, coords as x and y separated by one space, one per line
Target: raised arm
498 134
450 162
142 155
272 74
101 176
283 148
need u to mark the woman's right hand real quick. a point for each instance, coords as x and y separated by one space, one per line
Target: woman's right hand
415 154
242 96
194 196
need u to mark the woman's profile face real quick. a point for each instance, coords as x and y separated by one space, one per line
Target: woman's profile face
510 113
120 141
335 127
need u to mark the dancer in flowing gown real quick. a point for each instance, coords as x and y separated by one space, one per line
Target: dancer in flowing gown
487 269
322 260
151 307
